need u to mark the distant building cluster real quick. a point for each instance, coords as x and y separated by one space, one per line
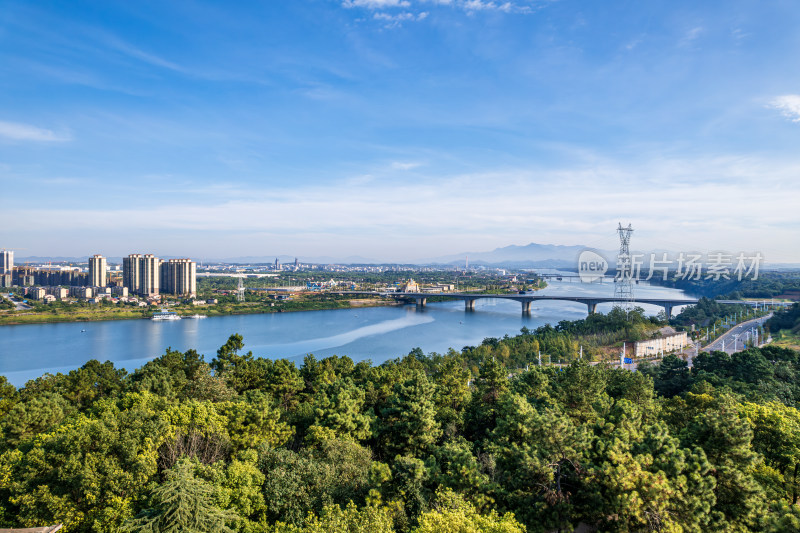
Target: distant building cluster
142 275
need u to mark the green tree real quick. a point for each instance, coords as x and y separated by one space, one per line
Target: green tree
8 396
253 420
408 423
581 390
455 467
351 519
451 514
726 439
182 504
36 415
776 435
297 483
339 413
452 392
638 478
228 355
540 457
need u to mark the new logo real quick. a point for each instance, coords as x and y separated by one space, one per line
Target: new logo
591 266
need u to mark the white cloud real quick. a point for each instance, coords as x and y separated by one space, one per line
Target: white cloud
405 165
376 4
394 20
383 7
481 5
25 132
788 105
491 5
430 216
399 17
691 35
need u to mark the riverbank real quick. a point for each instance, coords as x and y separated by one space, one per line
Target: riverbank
106 313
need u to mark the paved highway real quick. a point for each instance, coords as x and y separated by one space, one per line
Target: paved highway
728 337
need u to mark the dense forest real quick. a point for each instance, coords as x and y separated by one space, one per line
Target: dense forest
455 442
766 285
788 318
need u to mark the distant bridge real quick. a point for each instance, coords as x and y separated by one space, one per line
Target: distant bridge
526 300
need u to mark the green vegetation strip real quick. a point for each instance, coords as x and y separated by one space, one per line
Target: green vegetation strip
463 441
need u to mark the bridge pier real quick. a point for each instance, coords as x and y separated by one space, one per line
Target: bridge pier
469 304
592 307
668 310
526 307
421 302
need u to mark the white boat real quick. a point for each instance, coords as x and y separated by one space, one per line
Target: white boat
196 316
165 315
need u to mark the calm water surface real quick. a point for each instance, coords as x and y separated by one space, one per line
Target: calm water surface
377 333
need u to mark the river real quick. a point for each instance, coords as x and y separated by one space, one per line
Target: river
374 333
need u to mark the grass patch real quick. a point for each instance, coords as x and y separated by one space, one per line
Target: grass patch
786 339
105 312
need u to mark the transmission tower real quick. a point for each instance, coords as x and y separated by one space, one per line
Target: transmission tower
240 289
623 283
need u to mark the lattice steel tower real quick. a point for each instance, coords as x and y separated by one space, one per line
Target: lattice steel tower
623 283
240 289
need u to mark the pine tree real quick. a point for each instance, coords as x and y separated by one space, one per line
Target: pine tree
182 504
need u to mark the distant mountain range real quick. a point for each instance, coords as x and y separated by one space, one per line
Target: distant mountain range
289 259
533 254
58 259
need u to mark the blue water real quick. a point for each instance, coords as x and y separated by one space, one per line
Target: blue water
375 333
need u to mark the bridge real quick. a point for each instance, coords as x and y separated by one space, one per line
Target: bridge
526 300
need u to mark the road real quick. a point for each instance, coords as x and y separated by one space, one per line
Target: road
732 346
18 303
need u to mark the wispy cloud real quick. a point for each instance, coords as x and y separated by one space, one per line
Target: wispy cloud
466 211
405 165
399 18
376 4
691 35
507 6
412 9
788 105
16 131
141 55
482 5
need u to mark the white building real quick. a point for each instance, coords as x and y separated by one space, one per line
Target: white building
668 340
97 271
6 261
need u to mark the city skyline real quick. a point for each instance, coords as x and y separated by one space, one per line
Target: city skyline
398 130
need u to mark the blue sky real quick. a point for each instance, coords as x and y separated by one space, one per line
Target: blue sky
397 129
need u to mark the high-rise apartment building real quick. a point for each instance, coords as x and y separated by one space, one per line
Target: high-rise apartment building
6 267
150 271
131 277
142 274
6 262
97 271
179 277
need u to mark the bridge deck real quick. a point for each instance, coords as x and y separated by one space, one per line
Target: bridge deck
526 299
